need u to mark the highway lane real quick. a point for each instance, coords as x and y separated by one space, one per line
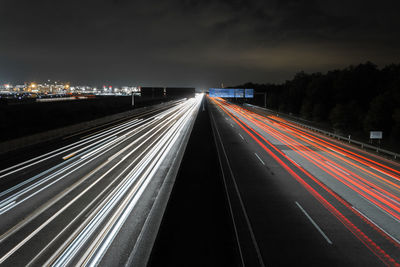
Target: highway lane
305 199
30 153
374 178
349 150
71 205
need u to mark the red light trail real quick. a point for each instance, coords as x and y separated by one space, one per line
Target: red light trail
281 130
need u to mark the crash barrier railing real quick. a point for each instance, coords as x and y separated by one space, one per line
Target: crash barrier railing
339 137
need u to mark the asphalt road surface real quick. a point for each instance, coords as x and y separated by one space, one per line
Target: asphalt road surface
303 199
85 199
197 226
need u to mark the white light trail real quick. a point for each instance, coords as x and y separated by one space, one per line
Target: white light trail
154 136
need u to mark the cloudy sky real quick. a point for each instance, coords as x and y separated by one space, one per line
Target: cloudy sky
191 42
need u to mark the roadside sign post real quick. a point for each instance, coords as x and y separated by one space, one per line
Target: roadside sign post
265 100
375 135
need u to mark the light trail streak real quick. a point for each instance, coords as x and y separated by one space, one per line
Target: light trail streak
120 216
41 183
151 158
289 141
56 152
288 126
260 140
159 133
98 145
339 175
360 185
85 140
348 153
379 178
336 166
322 146
71 188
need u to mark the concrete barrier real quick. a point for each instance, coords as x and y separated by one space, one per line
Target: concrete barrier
141 252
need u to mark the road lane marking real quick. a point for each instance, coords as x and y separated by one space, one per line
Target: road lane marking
314 223
232 125
294 162
250 228
371 221
241 136
227 192
386 258
259 158
381 209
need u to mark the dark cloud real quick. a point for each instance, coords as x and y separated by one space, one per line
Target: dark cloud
191 42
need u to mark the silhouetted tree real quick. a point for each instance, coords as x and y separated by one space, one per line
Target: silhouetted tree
353 100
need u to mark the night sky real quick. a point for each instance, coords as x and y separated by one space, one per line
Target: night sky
191 43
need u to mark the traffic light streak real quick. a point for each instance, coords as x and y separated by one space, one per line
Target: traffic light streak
262 142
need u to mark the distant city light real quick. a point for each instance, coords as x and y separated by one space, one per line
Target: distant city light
39 89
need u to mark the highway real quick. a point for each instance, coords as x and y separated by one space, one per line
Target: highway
299 198
84 201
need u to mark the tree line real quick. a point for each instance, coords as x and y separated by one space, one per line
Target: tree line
354 100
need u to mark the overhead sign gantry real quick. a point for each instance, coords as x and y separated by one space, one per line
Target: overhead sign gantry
231 92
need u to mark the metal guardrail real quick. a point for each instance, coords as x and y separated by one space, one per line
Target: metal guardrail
339 137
